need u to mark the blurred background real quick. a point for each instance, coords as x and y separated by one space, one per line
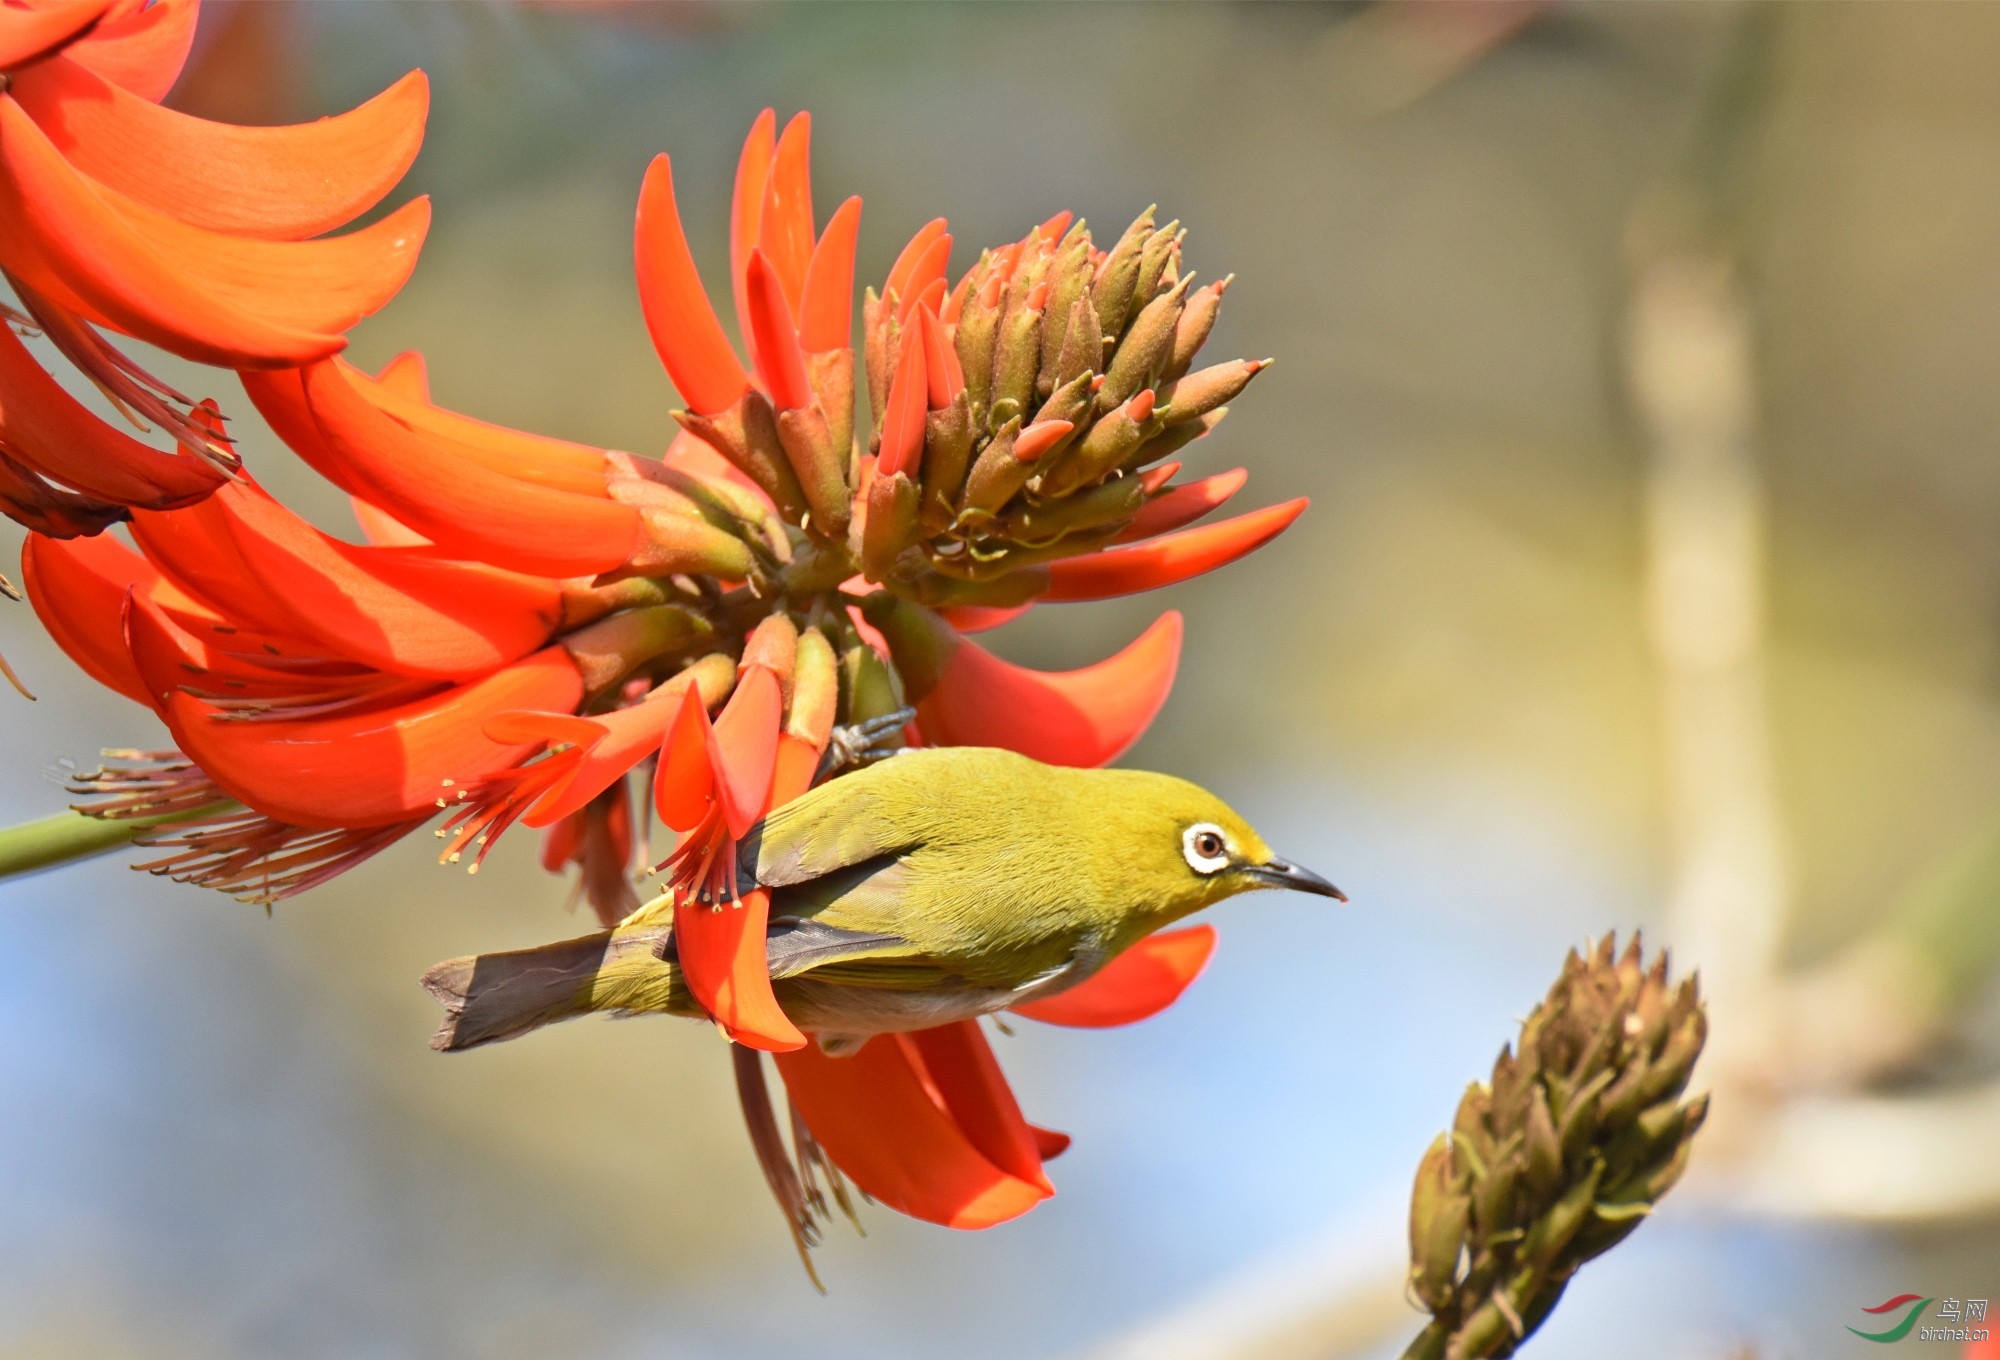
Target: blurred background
1637 359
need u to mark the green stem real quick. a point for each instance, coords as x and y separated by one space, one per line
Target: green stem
71 835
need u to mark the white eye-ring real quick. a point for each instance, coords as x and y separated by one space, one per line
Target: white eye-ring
1206 848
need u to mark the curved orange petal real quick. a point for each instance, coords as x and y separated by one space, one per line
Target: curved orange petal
1142 981
899 273
879 1118
925 281
374 768
559 464
321 286
561 843
684 785
467 509
409 377
883 1123
1182 505
826 312
1049 1143
406 613
903 420
53 432
609 744
944 378
141 50
171 656
1170 559
968 1078
746 213
383 529
195 549
55 225
746 747
686 334
981 618
77 588
779 361
283 183
721 952
785 228
1084 717
27 33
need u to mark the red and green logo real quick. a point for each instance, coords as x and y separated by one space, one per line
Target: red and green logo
1915 1309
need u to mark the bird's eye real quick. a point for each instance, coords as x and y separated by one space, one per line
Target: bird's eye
1205 848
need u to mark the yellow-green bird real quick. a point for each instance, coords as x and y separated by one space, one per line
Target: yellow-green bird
934 886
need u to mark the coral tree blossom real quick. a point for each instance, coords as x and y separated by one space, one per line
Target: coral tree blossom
526 626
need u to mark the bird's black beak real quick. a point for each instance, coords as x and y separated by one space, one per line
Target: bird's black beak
1281 873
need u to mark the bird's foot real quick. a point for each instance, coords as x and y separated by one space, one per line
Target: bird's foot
864 743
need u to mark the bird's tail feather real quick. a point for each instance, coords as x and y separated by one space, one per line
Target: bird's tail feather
489 997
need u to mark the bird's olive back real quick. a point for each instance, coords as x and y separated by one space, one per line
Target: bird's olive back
996 848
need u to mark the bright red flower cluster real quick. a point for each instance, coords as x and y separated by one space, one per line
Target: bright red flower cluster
531 622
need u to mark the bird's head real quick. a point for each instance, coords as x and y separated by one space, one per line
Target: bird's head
1197 850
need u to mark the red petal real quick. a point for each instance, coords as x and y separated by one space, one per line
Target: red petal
880 1120
196 550
322 286
1049 1143
903 420
406 613
141 50
931 296
425 483
1142 981
685 332
1038 438
746 212
610 744
1165 561
561 842
721 952
170 656
59 227
826 313
382 529
976 1095
558 464
284 183
1084 717
408 376
53 432
684 786
775 342
77 587
785 230
899 273
27 33
944 378
1183 505
982 618
746 747
375 768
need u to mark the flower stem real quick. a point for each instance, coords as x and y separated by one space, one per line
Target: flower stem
71 835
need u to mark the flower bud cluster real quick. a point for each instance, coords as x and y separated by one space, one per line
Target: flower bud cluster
1027 415
1579 1133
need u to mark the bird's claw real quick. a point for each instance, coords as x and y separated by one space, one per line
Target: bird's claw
864 743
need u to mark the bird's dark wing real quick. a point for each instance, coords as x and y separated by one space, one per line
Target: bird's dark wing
839 825
793 946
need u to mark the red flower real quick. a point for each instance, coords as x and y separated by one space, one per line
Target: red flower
532 620
116 212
